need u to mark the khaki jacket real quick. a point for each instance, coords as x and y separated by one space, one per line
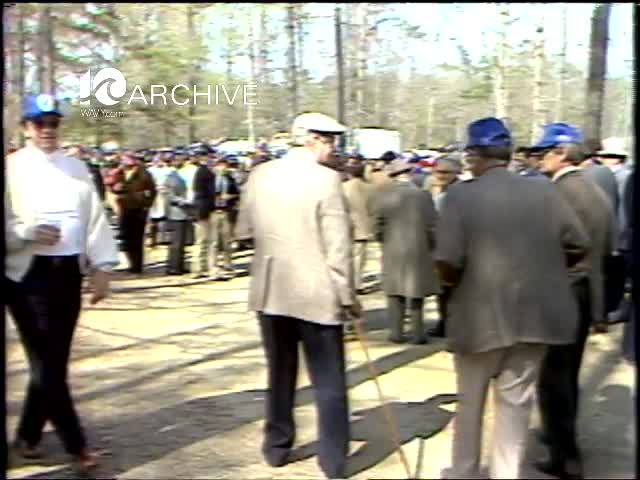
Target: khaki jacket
302 267
358 195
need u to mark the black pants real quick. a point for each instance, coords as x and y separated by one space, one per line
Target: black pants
397 306
45 306
175 262
132 226
443 299
324 353
558 384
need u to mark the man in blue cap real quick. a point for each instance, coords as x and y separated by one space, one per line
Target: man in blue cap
562 152
56 232
510 296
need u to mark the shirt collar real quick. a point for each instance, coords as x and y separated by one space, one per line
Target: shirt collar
52 157
562 172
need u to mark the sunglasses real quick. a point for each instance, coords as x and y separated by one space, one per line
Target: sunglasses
47 122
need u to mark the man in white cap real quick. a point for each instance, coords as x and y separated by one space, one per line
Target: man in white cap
302 285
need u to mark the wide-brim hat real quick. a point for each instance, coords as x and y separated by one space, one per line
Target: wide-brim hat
613 147
398 166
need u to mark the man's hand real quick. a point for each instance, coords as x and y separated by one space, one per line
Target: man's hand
46 235
100 285
354 310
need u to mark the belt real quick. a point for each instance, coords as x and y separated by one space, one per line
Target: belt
57 260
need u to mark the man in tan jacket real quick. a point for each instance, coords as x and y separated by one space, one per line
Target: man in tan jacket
358 193
302 286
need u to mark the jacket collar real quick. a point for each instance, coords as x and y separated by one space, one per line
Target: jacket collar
564 171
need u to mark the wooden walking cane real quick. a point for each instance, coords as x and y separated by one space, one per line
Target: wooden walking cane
393 429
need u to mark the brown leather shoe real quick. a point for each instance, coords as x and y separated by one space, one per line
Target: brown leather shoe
85 461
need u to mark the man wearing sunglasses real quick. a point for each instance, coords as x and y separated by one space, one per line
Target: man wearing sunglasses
56 231
302 285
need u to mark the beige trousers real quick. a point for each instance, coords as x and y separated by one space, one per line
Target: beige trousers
204 237
359 261
221 234
514 372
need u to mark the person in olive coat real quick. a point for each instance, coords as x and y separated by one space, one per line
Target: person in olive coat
405 225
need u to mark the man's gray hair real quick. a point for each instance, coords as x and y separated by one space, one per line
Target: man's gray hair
575 153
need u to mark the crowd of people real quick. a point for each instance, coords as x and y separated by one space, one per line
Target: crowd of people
527 250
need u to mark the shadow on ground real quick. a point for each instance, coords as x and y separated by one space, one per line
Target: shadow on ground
413 419
136 440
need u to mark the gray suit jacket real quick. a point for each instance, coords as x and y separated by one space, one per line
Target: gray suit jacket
596 215
406 221
302 267
509 237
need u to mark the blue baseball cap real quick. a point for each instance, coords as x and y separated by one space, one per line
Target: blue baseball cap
36 106
488 132
557 133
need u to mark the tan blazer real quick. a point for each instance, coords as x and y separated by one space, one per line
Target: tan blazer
302 267
358 193
99 248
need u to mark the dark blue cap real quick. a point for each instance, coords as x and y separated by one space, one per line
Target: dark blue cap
488 132
37 105
557 133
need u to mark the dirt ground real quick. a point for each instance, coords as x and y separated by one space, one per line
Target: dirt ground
169 374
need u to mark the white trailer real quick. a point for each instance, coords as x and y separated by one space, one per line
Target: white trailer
374 142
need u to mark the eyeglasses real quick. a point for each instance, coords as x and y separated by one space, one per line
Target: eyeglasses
326 139
445 171
41 123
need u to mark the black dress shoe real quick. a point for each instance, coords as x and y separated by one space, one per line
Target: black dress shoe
436 332
393 339
23 449
542 437
419 341
571 469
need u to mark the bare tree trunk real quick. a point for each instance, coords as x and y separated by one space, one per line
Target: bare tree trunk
252 58
537 115
559 113
293 75
429 129
41 50
597 70
501 87
51 53
21 66
192 106
300 51
362 55
339 66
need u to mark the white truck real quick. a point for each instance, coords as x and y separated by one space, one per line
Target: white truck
373 142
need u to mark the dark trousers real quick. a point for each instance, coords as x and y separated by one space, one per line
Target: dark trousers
443 299
324 354
558 386
397 306
175 262
156 228
45 306
132 226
